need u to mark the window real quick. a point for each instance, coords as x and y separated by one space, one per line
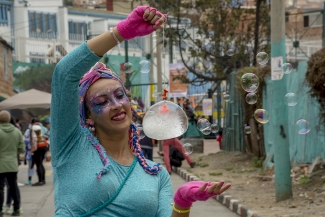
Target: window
287 17
313 20
42 25
36 57
77 30
4 14
5 62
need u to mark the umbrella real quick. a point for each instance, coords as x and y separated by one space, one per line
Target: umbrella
29 99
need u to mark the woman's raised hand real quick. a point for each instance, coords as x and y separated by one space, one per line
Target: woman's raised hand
141 21
193 191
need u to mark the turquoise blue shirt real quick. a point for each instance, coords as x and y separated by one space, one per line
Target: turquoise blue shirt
75 161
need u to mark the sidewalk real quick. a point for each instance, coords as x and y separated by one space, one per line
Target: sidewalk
39 202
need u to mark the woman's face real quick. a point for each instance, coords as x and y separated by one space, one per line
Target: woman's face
108 106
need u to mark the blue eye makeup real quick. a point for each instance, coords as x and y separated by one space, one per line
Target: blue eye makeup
105 99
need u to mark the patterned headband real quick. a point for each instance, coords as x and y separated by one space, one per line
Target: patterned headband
97 72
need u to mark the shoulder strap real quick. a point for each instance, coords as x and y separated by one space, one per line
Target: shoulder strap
115 194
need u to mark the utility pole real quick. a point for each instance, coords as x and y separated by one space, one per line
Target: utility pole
219 103
279 111
323 34
159 72
126 49
152 80
170 50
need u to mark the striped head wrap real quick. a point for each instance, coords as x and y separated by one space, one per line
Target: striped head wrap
97 72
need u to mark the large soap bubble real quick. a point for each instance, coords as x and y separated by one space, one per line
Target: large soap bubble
261 115
249 82
144 66
262 58
187 149
302 126
164 120
291 99
251 98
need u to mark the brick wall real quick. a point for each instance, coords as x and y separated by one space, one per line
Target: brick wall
6 80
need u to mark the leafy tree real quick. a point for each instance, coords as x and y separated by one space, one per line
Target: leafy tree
68 2
216 27
38 77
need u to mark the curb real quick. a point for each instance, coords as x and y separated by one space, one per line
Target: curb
225 199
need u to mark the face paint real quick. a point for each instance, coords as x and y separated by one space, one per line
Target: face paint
105 99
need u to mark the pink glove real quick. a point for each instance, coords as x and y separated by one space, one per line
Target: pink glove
135 24
190 192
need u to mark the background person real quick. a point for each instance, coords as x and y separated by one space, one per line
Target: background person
11 145
175 142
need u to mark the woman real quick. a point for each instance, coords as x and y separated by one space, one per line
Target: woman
98 165
39 155
28 154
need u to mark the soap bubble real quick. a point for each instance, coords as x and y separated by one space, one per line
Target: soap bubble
141 132
251 98
287 68
249 82
262 116
203 124
248 130
206 131
144 66
262 58
165 120
226 97
214 128
230 52
187 149
291 99
127 67
302 126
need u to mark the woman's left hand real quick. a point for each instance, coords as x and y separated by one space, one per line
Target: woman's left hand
142 21
193 191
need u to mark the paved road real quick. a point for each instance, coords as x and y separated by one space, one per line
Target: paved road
39 202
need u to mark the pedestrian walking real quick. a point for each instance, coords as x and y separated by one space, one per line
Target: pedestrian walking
11 145
39 155
100 137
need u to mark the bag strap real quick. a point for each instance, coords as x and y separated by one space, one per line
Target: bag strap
115 194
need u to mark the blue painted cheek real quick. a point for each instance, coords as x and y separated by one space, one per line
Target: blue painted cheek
98 109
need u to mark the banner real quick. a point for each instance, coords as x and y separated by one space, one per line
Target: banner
176 87
207 107
276 68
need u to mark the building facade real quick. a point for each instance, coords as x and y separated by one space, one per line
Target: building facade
6 76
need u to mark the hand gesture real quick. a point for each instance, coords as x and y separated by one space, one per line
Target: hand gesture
141 21
193 191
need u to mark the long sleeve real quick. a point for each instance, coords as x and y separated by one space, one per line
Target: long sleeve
21 145
65 99
165 195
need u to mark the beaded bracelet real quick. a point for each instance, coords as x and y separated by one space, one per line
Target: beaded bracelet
114 36
180 211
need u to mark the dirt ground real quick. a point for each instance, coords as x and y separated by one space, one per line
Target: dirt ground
256 189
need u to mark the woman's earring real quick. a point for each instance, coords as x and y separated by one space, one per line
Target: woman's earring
91 126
